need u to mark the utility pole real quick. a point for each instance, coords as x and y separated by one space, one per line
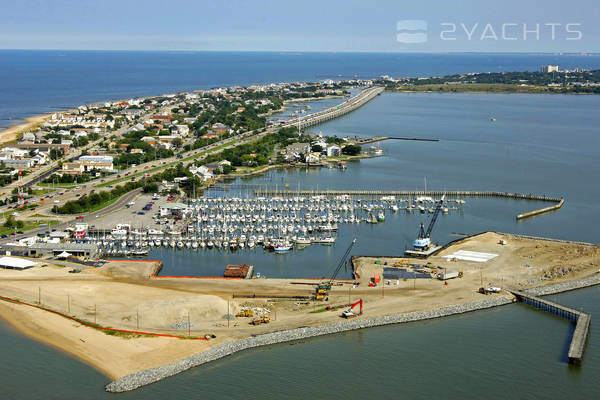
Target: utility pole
189 325
228 313
481 272
39 295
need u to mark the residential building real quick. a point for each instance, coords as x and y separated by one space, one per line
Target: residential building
312 158
334 151
298 148
549 68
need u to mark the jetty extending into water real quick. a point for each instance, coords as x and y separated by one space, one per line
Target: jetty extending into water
581 320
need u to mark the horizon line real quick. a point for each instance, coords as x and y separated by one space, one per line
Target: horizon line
581 52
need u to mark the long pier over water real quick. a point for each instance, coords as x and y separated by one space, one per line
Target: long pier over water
456 193
581 320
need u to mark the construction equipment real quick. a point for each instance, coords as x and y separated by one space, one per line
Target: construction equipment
423 242
245 313
405 262
349 313
488 290
444 276
261 320
324 287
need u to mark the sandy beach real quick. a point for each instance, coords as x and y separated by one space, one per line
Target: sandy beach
122 295
12 133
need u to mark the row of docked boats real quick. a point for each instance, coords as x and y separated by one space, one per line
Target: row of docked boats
277 224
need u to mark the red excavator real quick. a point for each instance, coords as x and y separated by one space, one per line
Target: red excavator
349 313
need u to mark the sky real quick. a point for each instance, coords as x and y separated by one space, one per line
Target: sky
307 25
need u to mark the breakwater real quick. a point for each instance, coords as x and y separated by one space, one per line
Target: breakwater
542 210
564 286
148 376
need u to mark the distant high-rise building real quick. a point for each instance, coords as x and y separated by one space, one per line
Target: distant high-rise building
549 68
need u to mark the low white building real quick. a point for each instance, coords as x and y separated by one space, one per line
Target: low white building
202 171
334 151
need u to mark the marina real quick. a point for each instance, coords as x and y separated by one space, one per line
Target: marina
276 224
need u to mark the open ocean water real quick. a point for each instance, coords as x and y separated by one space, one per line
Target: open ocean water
35 82
539 143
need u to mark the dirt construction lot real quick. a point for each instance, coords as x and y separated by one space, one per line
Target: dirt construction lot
122 295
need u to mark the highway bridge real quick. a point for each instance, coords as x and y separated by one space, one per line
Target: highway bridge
337 111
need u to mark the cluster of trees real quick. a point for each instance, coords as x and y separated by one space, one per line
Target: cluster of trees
517 78
259 152
11 223
88 202
351 149
65 178
149 153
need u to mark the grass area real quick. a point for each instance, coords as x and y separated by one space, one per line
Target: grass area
28 225
20 210
99 206
477 88
59 185
39 192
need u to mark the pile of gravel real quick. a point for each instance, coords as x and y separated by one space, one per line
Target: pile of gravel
565 286
152 375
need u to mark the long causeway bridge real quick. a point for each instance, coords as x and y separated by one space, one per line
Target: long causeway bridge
581 320
337 111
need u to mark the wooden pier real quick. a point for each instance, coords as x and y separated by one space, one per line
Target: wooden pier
448 193
581 320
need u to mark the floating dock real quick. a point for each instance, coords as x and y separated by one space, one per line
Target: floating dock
581 320
422 253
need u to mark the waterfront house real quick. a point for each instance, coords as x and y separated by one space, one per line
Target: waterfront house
28 137
297 148
334 151
312 158
202 171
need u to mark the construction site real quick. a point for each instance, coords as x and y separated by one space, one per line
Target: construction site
121 318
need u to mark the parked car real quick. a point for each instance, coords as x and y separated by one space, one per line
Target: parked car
79 217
